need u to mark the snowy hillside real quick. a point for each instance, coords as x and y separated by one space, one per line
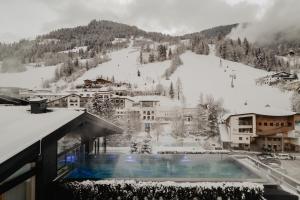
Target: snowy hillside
199 74
32 78
124 67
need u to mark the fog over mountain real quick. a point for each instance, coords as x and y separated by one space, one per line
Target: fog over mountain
280 23
30 18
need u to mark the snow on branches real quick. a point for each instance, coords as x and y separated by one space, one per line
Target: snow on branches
140 190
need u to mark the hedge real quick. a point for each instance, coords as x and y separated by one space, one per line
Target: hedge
139 190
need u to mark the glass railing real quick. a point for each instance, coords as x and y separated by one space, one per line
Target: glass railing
66 160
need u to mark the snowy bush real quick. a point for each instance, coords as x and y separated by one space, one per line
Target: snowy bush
134 190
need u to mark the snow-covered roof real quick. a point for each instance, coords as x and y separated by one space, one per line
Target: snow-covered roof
50 94
122 97
164 102
19 128
266 110
224 136
37 99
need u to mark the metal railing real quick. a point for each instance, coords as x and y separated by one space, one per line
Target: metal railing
278 176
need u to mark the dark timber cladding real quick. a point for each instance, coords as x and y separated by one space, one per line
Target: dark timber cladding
43 154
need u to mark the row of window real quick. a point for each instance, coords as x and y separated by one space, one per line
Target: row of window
148 112
148 117
245 130
241 138
275 124
274 139
119 101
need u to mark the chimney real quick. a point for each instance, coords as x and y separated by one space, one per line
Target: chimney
38 105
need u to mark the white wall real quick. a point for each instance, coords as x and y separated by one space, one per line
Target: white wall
234 127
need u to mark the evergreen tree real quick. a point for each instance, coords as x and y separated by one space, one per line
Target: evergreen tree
171 91
179 92
151 58
141 57
239 42
102 108
170 54
213 129
246 46
162 52
224 50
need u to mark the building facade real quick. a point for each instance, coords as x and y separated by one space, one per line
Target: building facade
259 132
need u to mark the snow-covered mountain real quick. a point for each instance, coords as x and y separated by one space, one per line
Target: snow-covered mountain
199 74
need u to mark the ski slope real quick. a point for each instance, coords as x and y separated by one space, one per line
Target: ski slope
32 78
204 74
199 74
124 66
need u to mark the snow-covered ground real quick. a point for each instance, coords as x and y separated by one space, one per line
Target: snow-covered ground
32 78
201 73
198 74
124 66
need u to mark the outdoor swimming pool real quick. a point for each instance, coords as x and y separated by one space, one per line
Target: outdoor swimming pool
164 167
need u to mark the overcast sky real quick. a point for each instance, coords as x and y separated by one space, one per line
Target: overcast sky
28 18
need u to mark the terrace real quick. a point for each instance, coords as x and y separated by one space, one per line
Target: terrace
62 151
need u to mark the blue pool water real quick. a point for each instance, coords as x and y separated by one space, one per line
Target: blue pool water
160 167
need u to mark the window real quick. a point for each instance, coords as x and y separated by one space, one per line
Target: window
144 112
259 124
144 117
147 104
245 130
265 124
152 117
289 124
271 124
245 121
247 138
152 112
240 138
148 113
148 117
282 124
277 124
